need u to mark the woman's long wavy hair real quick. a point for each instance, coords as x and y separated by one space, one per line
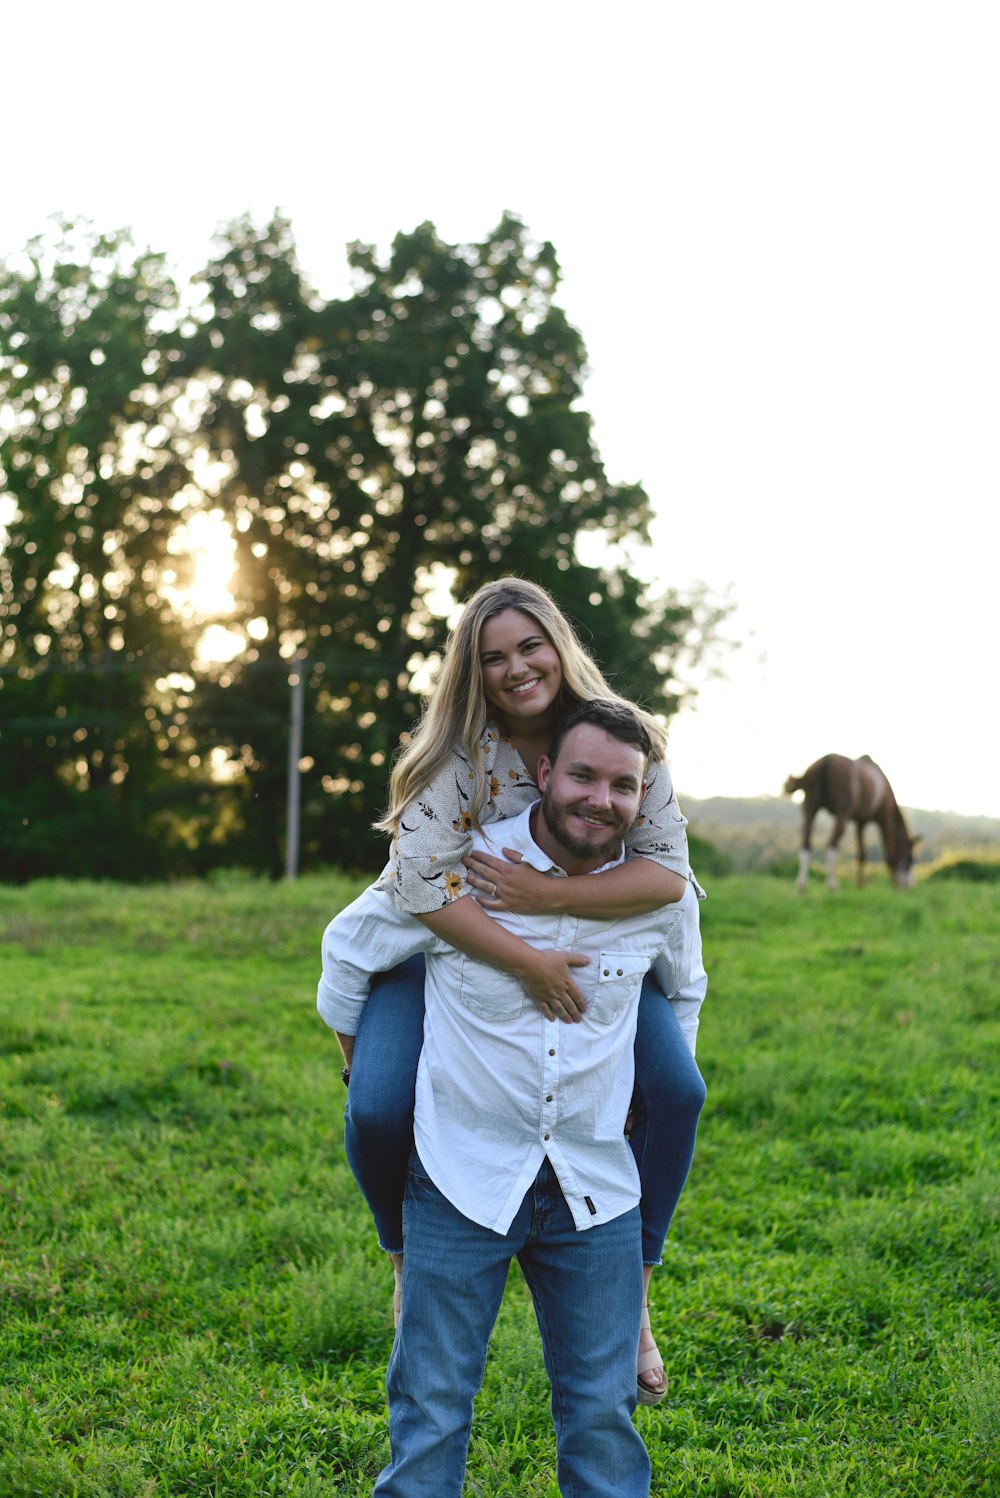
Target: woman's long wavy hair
457 712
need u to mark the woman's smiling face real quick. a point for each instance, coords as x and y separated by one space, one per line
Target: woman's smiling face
522 672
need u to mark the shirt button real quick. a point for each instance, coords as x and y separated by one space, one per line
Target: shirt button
549 1098
552 1053
619 972
546 1136
607 972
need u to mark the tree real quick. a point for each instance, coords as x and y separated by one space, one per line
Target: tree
427 430
431 420
86 625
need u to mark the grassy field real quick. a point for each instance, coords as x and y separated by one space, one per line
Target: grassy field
191 1301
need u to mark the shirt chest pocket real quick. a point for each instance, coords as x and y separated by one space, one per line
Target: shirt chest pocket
619 979
490 994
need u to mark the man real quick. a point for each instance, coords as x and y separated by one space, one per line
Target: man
520 1149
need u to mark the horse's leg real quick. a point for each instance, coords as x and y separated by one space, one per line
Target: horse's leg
894 844
802 881
861 855
833 849
807 820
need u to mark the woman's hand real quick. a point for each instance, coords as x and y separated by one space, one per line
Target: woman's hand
548 982
509 884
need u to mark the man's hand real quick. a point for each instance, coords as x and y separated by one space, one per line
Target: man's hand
509 884
346 1043
548 982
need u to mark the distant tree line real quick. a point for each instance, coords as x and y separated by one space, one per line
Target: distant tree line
353 447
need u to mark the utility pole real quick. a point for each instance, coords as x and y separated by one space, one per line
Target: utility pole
297 682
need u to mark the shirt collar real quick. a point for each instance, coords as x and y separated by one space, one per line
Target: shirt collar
515 832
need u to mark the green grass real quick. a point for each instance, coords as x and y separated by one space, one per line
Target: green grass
191 1301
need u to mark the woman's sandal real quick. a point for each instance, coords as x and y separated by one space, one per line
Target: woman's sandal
649 1393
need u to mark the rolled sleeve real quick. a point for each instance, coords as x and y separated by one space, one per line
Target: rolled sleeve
371 935
686 1004
425 879
680 967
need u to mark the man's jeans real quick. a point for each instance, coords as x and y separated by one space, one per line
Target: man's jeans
587 1292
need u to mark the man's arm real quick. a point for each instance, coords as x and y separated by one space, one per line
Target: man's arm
687 1002
369 936
681 969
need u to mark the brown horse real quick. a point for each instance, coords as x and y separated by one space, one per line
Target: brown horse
852 790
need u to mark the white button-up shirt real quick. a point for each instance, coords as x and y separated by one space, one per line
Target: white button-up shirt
499 1087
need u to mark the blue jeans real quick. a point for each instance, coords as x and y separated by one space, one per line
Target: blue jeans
378 1120
587 1291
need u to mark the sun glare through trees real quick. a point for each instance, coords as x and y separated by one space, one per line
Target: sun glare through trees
220 481
200 591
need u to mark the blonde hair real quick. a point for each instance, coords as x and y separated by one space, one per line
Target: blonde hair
456 714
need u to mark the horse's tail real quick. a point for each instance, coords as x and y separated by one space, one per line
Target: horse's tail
794 783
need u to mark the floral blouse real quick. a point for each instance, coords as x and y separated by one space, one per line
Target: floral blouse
425 869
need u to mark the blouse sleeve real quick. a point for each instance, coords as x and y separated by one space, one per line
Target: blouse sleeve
658 832
434 835
425 868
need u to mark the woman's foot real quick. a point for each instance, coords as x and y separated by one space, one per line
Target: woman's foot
651 1381
397 1291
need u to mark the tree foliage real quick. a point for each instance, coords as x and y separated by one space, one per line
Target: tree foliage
89 480
428 426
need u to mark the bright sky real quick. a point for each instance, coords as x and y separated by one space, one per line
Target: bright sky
779 228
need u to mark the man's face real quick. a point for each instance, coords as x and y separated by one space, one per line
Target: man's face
591 795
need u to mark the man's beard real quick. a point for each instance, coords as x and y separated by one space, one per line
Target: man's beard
557 821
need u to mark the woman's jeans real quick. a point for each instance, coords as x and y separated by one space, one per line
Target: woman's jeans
378 1120
586 1288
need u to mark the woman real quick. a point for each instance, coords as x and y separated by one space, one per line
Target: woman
512 665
